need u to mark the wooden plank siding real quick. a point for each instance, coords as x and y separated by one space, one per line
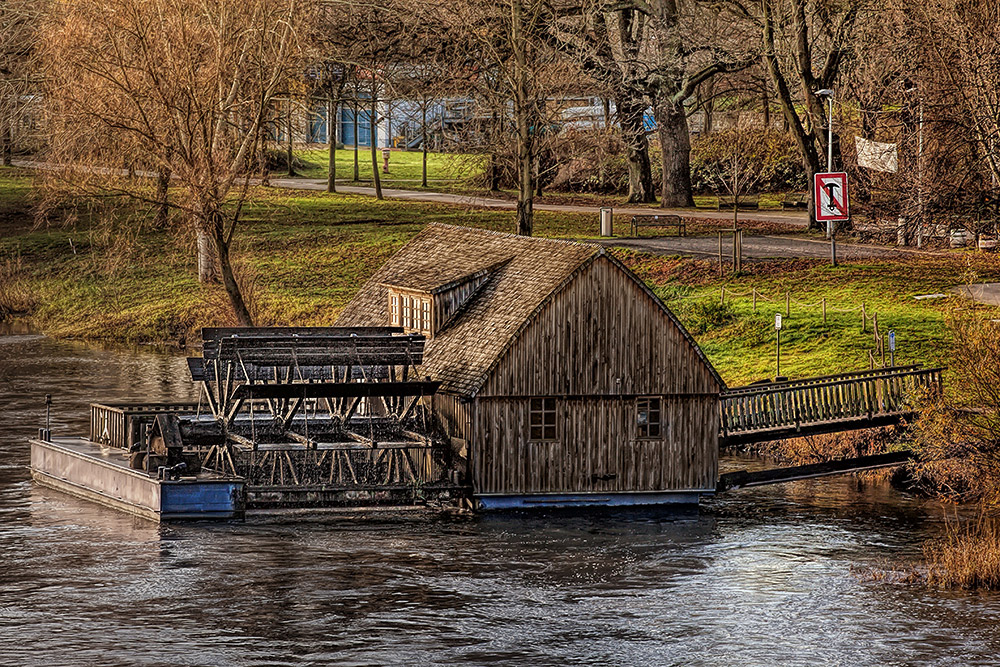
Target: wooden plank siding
596 345
600 327
596 450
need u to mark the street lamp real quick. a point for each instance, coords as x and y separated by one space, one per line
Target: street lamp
830 226
828 94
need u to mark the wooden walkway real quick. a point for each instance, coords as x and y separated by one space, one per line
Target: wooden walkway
779 410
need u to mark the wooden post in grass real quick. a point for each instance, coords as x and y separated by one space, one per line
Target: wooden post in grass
754 300
824 310
722 298
788 304
864 319
721 269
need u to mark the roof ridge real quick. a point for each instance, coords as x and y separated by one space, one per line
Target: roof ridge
511 235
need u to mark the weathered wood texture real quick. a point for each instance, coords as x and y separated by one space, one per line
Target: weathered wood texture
601 328
595 346
597 448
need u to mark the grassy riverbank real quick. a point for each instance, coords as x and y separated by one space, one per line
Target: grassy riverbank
304 255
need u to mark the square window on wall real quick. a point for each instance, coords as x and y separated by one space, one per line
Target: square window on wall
542 419
648 418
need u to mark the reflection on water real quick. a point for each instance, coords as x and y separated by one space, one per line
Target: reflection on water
757 577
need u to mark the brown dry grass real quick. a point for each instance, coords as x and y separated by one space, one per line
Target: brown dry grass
16 296
967 557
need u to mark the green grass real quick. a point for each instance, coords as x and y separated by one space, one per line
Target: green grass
303 256
741 342
404 166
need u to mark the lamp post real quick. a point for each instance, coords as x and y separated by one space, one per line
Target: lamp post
831 227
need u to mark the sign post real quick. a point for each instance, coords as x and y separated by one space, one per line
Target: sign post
832 204
777 332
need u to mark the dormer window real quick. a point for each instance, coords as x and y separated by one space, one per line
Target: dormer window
410 311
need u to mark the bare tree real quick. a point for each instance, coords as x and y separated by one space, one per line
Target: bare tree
804 49
19 75
168 85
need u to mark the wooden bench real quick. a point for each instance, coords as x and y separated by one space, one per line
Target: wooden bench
658 220
746 202
795 200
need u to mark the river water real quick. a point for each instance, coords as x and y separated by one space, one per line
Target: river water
772 576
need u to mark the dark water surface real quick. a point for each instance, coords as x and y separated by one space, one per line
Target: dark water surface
762 577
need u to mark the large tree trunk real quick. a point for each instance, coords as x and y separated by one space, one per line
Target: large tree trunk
494 169
207 269
162 196
240 309
331 135
803 139
290 157
640 172
7 147
675 153
524 103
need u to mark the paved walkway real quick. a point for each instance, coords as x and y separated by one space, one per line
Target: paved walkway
797 218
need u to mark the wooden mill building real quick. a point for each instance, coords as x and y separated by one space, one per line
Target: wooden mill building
565 380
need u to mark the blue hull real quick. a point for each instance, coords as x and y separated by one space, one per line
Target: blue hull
540 501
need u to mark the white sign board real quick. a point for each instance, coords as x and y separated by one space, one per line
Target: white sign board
830 195
777 321
892 341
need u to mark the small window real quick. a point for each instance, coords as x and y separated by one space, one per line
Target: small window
394 310
543 419
407 312
410 312
647 417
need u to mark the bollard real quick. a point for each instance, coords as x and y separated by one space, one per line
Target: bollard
608 221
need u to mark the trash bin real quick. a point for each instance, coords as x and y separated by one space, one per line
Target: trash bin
607 222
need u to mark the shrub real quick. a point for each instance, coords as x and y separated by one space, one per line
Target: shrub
776 160
708 315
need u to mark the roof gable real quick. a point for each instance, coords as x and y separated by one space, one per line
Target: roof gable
522 273
519 276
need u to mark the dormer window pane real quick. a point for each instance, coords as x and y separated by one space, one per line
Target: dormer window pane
394 310
407 313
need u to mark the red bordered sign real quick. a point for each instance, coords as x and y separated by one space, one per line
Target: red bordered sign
830 195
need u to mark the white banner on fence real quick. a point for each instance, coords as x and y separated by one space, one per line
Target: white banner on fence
876 155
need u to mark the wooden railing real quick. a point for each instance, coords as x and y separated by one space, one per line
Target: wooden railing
123 424
854 400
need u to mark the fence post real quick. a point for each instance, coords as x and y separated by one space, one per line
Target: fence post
721 269
788 304
864 319
754 300
722 298
824 310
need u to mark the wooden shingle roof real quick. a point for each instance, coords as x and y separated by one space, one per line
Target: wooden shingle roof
524 273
